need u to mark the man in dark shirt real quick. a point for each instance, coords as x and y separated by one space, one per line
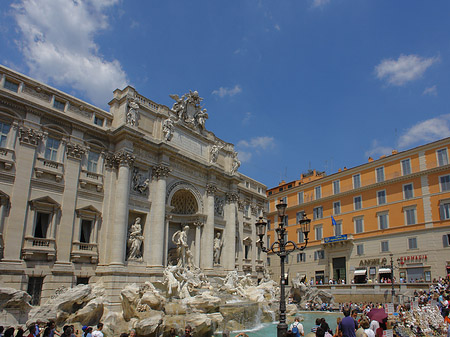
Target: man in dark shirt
348 325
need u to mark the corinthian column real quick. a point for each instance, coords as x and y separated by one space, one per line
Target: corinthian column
229 240
118 239
158 216
208 231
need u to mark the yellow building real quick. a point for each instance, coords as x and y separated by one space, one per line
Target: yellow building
395 207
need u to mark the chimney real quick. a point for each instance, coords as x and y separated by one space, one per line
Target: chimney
394 151
345 168
370 159
340 170
383 156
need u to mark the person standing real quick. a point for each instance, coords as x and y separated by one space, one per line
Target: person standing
187 331
297 328
98 332
348 325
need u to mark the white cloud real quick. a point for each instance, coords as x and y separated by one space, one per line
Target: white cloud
58 44
319 3
263 143
247 117
405 69
377 149
244 156
222 92
432 91
277 27
426 131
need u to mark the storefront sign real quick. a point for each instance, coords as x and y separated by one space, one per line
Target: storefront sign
411 259
373 262
335 238
389 307
388 333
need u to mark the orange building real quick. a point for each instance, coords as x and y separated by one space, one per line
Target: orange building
396 207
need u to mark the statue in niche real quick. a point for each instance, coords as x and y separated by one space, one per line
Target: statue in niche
135 240
215 152
133 113
167 129
185 257
236 163
218 242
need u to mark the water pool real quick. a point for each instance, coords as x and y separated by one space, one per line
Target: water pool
270 329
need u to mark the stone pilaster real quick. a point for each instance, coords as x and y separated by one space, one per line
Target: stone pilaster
155 239
25 159
125 161
207 243
65 232
229 243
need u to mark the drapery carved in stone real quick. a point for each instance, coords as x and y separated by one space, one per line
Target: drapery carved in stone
30 136
75 151
133 113
160 171
253 209
140 181
211 189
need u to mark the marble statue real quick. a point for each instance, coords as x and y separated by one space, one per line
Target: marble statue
201 118
236 163
189 110
135 240
185 257
217 248
133 113
167 129
215 153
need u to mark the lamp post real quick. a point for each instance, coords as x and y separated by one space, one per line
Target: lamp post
392 279
282 248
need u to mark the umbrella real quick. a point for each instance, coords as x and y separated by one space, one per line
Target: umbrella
377 315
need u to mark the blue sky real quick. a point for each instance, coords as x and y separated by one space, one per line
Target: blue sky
293 84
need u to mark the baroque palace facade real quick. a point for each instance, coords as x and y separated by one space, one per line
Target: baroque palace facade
88 194
396 207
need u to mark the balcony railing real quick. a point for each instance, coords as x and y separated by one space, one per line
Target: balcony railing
92 178
36 247
49 166
7 157
82 251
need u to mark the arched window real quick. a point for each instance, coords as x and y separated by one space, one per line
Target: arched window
184 202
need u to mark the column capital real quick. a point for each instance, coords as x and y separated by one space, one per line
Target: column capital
231 197
160 171
30 136
241 204
198 224
124 158
75 151
211 189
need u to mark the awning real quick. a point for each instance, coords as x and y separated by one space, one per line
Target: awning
360 272
384 271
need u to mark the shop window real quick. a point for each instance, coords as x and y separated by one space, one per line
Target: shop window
337 207
34 289
381 197
406 166
357 181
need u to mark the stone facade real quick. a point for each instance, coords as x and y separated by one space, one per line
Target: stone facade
74 179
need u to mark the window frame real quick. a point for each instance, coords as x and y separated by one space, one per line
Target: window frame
437 156
321 213
384 244
338 184
319 189
440 183
302 194
334 207
355 219
318 229
360 249
10 88
338 225
376 174
415 241
354 203
406 210
379 215
59 104
359 180
404 191
409 166
444 209
378 198
53 153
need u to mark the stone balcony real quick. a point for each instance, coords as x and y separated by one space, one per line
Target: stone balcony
91 178
247 264
259 265
7 158
82 252
35 248
46 166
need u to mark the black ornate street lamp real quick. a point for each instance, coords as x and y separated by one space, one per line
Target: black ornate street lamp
282 248
392 279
